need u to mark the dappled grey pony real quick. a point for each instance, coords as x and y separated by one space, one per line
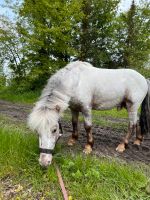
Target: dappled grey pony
82 87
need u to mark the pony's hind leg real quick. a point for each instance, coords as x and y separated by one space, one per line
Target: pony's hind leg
74 137
132 112
139 136
88 128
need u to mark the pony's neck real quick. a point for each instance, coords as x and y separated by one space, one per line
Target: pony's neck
55 101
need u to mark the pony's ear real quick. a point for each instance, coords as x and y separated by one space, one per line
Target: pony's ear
57 108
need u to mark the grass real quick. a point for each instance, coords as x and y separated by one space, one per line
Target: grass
109 118
113 113
86 177
10 94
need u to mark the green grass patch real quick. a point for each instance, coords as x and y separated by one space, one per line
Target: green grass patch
109 114
10 94
104 118
86 177
112 113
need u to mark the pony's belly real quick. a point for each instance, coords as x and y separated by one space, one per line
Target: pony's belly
75 105
105 105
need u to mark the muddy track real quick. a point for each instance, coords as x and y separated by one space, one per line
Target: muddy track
105 139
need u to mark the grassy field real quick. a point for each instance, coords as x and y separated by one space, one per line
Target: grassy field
85 177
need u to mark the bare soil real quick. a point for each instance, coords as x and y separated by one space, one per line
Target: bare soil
106 139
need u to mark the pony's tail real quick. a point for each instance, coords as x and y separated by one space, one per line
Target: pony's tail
145 113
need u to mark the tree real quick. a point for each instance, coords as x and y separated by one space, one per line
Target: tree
10 49
133 36
48 29
48 34
97 32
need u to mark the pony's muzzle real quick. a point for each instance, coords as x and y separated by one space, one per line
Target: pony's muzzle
45 159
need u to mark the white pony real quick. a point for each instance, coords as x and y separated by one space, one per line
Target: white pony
83 87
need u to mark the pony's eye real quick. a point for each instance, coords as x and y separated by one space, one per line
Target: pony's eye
54 130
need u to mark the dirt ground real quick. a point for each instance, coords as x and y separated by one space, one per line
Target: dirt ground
105 139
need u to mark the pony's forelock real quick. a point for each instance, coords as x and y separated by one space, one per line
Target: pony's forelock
42 119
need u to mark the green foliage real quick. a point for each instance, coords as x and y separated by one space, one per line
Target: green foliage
133 33
97 33
144 71
48 34
48 28
10 49
2 80
104 179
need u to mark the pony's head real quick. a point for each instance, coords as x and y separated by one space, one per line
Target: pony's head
45 122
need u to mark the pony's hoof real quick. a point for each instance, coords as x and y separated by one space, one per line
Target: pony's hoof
120 148
137 142
71 141
88 149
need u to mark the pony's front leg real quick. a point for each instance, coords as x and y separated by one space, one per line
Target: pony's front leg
88 128
72 140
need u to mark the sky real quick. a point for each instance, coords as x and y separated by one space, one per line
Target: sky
124 6
5 11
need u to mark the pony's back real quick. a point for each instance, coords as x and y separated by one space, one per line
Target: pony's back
65 79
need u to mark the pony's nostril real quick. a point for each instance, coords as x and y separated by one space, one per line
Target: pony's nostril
49 162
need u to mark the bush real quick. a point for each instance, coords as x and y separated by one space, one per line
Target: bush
2 81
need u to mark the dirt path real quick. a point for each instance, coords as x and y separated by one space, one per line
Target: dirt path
106 139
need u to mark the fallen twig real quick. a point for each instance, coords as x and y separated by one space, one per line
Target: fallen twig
63 189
